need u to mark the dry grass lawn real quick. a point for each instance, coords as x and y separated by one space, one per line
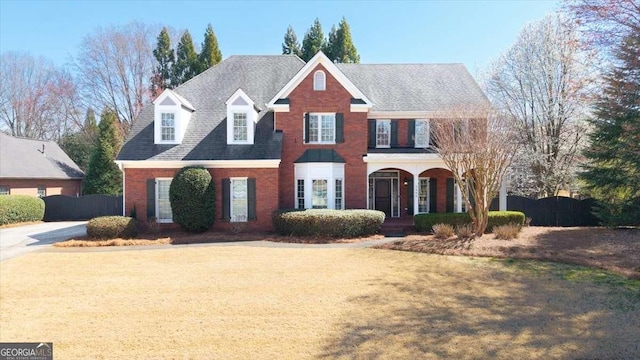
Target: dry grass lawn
240 302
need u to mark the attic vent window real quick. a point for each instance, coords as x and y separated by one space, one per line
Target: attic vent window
319 81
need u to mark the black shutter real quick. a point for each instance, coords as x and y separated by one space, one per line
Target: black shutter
411 139
306 128
394 133
226 199
433 194
251 192
432 139
372 133
409 197
339 128
151 198
450 194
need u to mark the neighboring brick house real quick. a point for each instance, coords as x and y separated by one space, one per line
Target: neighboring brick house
276 132
37 168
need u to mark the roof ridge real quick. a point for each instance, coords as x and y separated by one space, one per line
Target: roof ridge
399 64
26 138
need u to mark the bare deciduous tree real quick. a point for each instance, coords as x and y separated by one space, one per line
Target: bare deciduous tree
477 145
115 66
544 85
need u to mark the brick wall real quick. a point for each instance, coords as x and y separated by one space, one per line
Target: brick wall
266 193
441 176
334 99
53 186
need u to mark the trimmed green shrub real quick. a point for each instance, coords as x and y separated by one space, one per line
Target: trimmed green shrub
425 222
20 208
193 199
112 227
327 223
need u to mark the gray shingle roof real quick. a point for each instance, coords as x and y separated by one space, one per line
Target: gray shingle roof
415 87
23 158
260 77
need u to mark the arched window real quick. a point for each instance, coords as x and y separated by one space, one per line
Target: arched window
319 81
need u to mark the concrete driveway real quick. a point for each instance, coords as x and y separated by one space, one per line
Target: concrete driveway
21 240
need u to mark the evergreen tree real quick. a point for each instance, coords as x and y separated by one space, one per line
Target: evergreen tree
291 46
165 56
613 173
210 53
103 175
340 47
313 41
80 145
187 64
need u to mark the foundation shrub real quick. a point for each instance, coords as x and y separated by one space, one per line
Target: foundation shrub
327 223
20 208
112 227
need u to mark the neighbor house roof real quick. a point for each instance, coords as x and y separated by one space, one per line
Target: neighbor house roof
23 158
415 87
260 77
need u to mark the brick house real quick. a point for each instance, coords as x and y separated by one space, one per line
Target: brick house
37 168
276 132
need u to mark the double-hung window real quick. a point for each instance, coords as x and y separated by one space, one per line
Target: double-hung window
422 133
168 127
4 190
322 128
300 194
338 195
239 200
240 127
423 195
319 198
383 133
42 191
163 205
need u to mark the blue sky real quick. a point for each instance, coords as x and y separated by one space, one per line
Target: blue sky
471 32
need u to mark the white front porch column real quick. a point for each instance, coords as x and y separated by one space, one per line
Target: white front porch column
416 188
458 198
503 194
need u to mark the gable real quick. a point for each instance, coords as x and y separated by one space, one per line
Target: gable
240 102
167 102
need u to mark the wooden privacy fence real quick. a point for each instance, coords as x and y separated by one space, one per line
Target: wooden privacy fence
553 211
65 208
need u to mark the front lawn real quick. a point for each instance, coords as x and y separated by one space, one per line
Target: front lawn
239 302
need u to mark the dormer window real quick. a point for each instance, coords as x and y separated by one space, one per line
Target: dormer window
240 127
172 114
168 127
242 117
319 81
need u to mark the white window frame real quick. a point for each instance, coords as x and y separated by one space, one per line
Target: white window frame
320 131
319 81
43 189
163 126
249 110
300 198
305 173
338 202
238 127
326 194
426 195
232 206
385 124
3 191
158 218
422 139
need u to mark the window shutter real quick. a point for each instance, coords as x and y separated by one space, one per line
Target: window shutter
433 193
432 141
372 133
339 128
151 198
394 133
450 194
306 128
411 139
409 197
251 192
226 199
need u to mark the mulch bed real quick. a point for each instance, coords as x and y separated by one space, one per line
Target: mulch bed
616 250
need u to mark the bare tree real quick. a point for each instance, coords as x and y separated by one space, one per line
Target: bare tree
37 100
477 144
115 66
542 82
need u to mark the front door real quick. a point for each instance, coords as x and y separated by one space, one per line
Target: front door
383 196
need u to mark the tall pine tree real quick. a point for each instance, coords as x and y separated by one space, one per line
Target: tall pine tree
187 64
210 53
313 41
340 47
165 56
291 46
613 173
103 175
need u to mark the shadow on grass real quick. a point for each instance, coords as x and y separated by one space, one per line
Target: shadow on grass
501 311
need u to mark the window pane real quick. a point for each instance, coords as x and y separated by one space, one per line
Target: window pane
4 190
383 133
423 195
167 128
319 198
42 191
300 195
239 200
338 200
164 205
313 128
328 132
240 127
319 81
422 133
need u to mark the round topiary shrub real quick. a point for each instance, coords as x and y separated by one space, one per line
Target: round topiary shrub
112 227
193 199
328 223
20 208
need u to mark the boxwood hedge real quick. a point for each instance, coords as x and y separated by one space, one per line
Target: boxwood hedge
327 223
112 227
20 208
425 222
193 199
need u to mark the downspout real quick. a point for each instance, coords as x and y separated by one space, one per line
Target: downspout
121 167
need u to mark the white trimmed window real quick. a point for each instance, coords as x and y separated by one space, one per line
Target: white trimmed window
339 200
322 128
42 191
4 190
168 127
319 198
239 200
423 195
319 186
163 204
240 127
300 194
319 81
383 133
422 133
